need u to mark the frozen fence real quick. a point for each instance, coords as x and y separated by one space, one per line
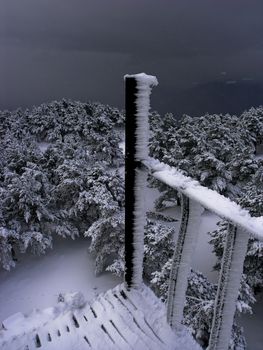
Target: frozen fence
209 199
241 226
194 197
118 319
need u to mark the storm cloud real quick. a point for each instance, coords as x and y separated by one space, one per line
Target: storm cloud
80 49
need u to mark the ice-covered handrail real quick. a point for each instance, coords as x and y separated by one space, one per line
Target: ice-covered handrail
209 199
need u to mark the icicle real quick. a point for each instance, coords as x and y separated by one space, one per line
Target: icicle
228 287
138 90
187 238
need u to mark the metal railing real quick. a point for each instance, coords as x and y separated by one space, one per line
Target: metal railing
194 197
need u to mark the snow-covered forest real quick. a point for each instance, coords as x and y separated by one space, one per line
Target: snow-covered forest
62 175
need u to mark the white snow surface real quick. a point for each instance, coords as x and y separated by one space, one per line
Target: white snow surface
133 320
38 281
204 259
209 199
122 146
252 325
143 79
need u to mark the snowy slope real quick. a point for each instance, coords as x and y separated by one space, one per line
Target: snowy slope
36 282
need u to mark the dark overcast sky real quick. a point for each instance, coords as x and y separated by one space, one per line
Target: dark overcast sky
205 53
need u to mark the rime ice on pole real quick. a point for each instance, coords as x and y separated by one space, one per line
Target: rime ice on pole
144 86
138 90
191 212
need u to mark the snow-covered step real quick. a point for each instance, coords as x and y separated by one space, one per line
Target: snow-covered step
117 319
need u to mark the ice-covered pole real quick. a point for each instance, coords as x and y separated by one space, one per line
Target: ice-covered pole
235 250
137 104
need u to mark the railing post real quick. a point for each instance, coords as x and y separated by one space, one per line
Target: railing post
187 238
137 104
228 287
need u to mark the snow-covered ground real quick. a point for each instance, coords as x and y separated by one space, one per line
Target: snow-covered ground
37 281
204 259
122 146
252 325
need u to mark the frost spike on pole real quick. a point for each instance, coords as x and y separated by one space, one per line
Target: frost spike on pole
137 104
191 212
235 250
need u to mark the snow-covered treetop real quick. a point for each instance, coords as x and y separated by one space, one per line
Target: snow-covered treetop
209 199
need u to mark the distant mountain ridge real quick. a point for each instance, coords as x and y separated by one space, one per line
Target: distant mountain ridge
231 97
